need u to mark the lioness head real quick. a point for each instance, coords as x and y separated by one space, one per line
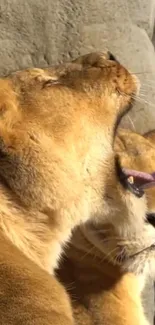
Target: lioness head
57 129
122 244
56 132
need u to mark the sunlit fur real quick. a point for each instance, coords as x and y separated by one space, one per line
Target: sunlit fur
106 265
57 129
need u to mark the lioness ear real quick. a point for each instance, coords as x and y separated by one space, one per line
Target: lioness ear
36 76
47 80
51 81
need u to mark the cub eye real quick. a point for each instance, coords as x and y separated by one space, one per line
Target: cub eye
112 57
150 218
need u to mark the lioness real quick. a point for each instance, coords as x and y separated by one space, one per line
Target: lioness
57 128
106 265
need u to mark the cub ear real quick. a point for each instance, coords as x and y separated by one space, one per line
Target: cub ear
94 59
150 136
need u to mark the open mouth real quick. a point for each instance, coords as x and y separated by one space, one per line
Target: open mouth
135 181
138 181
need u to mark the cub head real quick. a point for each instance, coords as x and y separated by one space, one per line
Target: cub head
129 242
57 129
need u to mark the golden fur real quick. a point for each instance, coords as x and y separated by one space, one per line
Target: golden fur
105 267
57 129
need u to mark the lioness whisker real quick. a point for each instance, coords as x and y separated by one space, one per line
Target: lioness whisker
142 101
110 254
132 123
143 72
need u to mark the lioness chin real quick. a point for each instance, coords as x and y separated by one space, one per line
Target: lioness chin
57 128
106 265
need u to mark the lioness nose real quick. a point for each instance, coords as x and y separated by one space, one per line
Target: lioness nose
111 57
151 218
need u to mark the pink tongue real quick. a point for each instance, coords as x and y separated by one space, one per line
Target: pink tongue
141 179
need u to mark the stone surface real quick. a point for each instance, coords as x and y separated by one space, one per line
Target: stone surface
44 32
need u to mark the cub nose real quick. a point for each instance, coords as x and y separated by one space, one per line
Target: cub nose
112 57
150 217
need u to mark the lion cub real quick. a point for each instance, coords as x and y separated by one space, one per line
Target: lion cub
57 128
106 265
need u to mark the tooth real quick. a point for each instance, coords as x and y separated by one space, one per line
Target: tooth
131 180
